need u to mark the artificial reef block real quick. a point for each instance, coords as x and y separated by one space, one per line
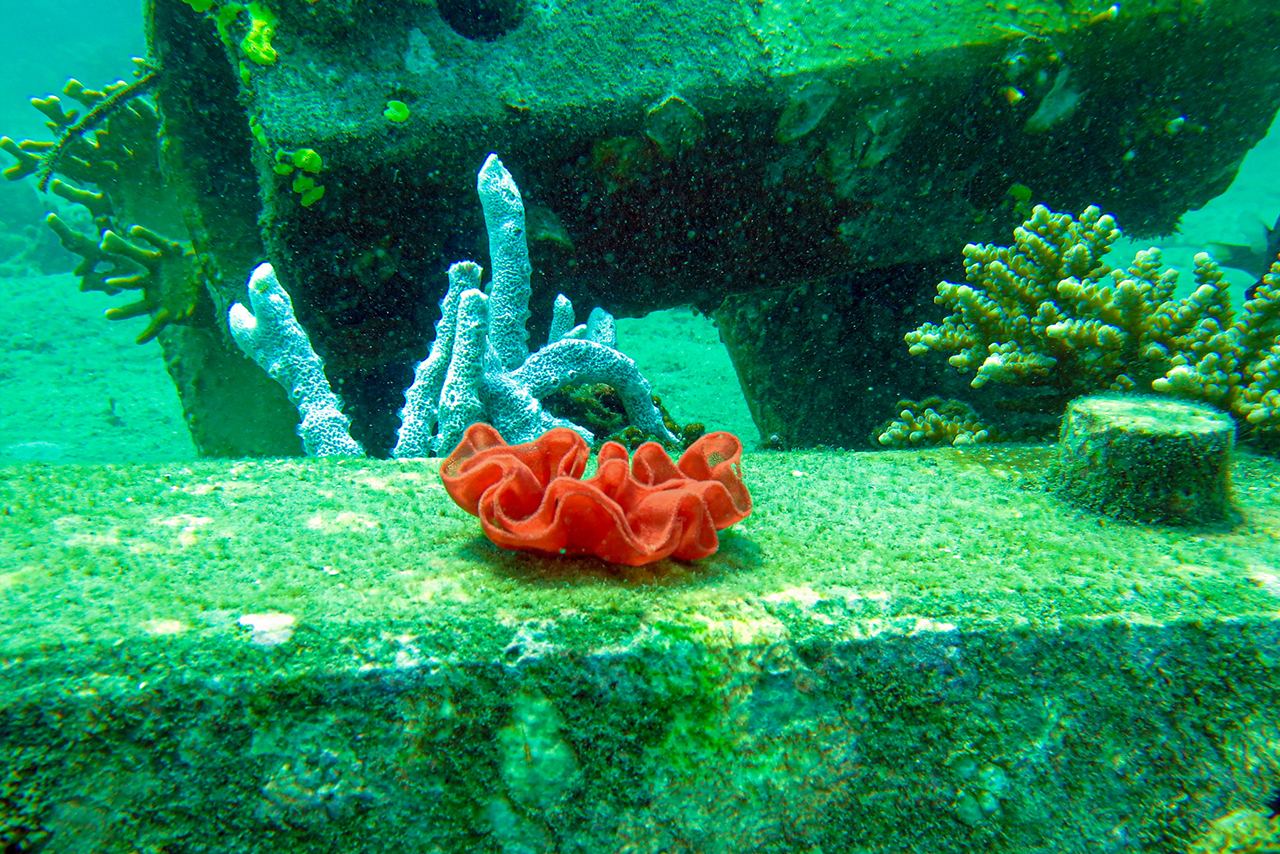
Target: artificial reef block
685 152
1146 458
903 651
803 353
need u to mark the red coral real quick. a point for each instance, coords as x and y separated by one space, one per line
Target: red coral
533 497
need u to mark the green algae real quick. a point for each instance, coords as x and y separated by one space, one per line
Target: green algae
897 650
944 535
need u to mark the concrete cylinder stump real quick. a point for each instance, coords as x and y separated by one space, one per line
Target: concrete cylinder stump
1146 459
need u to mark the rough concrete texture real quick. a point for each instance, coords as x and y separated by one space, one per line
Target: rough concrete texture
674 153
905 651
1146 458
803 352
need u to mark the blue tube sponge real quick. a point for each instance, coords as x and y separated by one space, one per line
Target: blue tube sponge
479 367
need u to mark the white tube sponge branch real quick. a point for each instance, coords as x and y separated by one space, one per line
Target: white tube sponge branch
509 290
422 400
271 335
479 367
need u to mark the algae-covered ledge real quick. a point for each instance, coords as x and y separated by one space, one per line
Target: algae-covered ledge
900 650
838 541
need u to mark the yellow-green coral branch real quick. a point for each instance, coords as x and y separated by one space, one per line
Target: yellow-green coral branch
1048 311
91 119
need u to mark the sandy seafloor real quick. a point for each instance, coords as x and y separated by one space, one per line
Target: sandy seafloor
76 388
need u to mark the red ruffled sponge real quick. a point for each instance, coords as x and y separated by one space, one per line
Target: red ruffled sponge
532 496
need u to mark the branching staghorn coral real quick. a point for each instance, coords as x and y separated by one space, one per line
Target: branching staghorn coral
1049 312
1230 361
106 153
479 367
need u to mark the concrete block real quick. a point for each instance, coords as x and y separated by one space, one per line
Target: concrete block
681 152
903 651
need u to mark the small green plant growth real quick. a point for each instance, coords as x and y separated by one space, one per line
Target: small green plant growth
396 111
304 164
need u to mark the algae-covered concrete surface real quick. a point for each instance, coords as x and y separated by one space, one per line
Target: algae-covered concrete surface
898 651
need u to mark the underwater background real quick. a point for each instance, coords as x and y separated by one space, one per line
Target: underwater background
116 403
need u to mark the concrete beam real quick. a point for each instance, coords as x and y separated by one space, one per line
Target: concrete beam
682 152
900 651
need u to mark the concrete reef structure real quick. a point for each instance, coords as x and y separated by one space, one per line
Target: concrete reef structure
1050 314
1146 459
479 367
698 152
278 655
832 171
